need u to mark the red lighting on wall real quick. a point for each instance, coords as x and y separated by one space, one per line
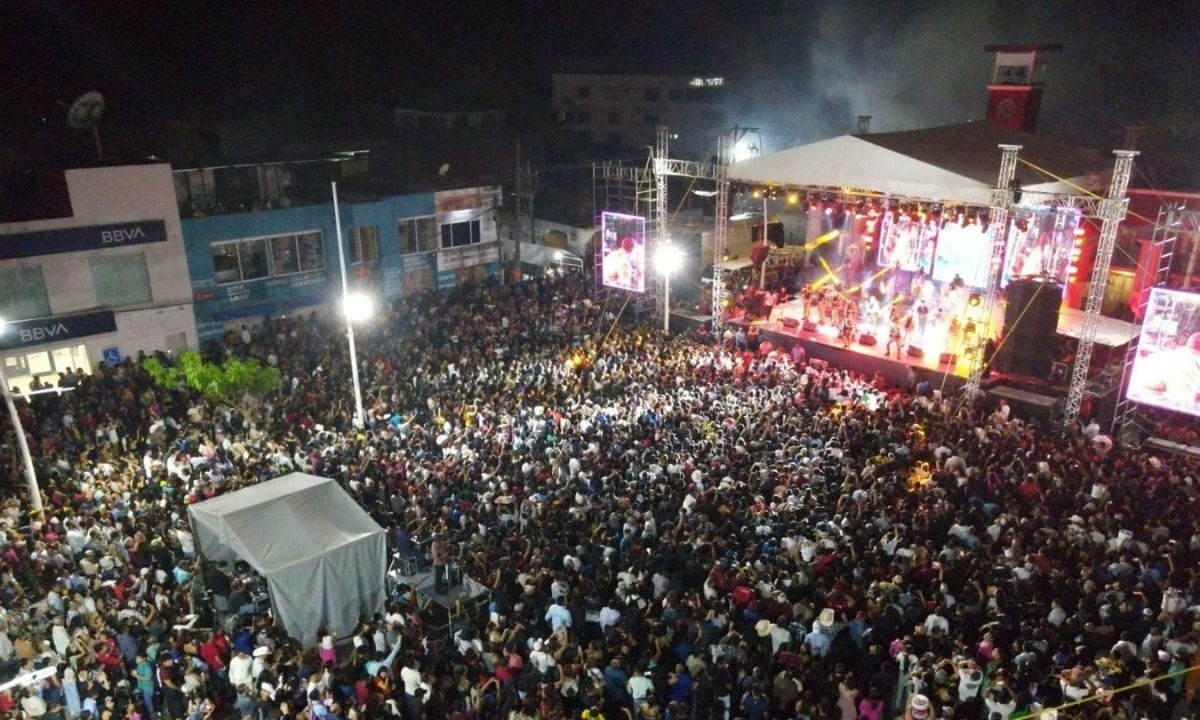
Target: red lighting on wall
1076 254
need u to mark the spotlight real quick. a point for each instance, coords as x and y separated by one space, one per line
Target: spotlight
793 198
756 194
976 300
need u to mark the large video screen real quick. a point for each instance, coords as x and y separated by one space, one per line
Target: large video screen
623 263
1039 243
907 241
1166 371
962 252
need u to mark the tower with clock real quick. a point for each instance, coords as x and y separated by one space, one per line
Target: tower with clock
1015 89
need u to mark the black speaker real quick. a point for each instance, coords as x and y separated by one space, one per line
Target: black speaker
1030 324
947 359
791 322
914 351
867 340
810 326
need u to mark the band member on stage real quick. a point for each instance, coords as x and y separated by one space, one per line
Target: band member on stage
872 310
824 306
922 317
806 297
910 324
848 327
893 339
769 304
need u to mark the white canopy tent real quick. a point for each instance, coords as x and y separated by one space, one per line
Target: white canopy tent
953 163
323 556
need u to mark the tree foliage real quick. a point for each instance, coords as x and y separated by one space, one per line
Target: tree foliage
229 382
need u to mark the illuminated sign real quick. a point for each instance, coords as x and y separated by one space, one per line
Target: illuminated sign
707 82
1166 370
623 258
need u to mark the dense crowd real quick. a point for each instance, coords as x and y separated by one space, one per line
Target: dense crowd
665 528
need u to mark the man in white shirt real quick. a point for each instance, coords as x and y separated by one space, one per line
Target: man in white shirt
638 686
240 669
558 617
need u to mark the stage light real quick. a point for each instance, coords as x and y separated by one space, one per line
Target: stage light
756 194
828 209
793 198
976 300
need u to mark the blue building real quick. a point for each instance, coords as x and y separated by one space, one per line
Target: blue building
252 264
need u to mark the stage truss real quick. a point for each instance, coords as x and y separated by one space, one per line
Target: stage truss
643 191
1128 422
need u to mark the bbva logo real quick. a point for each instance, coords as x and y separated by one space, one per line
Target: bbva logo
43 332
120 235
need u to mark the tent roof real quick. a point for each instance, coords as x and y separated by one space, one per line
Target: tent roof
952 162
970 149
283 521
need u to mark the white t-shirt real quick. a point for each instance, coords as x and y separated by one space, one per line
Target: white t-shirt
411 677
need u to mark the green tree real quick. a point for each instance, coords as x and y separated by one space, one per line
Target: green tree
241 383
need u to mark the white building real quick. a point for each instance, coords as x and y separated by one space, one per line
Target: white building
103 283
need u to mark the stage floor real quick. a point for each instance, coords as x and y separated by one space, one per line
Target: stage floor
1110 332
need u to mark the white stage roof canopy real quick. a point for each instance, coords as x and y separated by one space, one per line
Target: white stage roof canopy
952 163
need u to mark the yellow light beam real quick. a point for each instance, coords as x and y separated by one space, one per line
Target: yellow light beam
831 235
878 274
830 274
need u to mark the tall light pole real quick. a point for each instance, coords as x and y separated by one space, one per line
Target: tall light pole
356 307
667 260
762 277
35 493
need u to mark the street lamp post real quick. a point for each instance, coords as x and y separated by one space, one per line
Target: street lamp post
35 493
355 308
667 259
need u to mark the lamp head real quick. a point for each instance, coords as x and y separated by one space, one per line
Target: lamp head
358 306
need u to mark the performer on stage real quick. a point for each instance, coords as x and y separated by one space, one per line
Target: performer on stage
893 339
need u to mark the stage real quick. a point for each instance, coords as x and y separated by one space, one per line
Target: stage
825 344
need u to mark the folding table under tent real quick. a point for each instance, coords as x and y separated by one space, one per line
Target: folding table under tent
324 558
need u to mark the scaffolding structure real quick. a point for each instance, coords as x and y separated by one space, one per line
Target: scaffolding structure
1111 212
1002 201
631 190
1173 220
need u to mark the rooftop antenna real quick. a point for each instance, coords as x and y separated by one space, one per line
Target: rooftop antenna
85 114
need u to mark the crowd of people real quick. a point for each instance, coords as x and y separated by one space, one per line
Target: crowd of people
668 528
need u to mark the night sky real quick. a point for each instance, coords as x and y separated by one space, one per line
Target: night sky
800 70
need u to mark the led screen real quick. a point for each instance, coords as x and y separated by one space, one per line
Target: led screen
962 251
1166 371
1039 244
623 263
907 242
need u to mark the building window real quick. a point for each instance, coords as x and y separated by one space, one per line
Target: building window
649 118
23 293
364 244
583 92
418 235
291 254
240 260
652 94
121 279
675 95
460 233
257 258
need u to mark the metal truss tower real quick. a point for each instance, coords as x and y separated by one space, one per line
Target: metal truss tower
720 230
1002 201
1112 212
1171 223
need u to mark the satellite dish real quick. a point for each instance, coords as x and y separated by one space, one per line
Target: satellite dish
444 170
85 114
